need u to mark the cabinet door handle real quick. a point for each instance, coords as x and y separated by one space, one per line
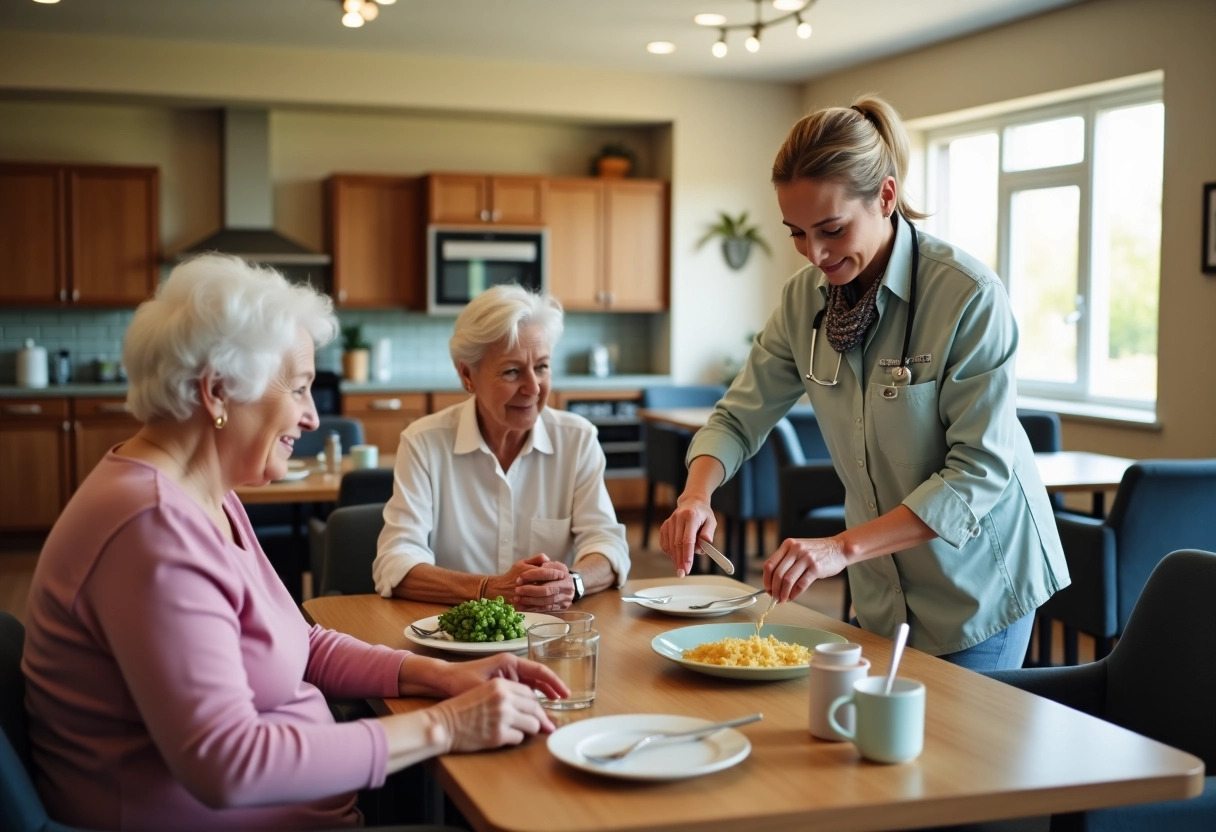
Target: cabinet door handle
485 216
75 295
112 407
342 296
386 404
63 295
66 427
23 409
496 215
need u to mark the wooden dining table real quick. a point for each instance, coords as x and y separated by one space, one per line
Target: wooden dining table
991 751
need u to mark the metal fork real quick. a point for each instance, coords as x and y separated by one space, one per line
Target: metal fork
709 604
645 599
667 736
424 632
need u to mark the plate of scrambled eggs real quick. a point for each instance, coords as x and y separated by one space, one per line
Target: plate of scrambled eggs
735 651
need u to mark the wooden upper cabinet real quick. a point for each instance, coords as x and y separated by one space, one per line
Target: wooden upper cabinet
78 235
113 241
476 199
636 270
377 231
608 244
32 267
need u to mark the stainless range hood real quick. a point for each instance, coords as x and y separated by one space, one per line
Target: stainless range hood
248 196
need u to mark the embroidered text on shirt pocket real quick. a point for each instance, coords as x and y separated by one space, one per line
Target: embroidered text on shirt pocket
907 426
551 536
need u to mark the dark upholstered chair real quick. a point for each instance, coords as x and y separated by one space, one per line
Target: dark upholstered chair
667 446
810 494
1166 648
21 808
281 529
1160 506
367 485
1043 430
350 548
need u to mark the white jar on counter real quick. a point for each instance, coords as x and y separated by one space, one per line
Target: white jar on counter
32 365
834 668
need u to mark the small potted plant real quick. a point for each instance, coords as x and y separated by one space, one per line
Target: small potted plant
614 161
355 354
737 238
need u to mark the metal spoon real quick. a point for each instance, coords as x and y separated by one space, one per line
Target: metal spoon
645 599
664 736
709 604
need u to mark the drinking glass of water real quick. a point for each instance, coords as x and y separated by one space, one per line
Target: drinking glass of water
570 648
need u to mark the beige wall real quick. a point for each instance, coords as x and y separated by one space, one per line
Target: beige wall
1092 42
344 112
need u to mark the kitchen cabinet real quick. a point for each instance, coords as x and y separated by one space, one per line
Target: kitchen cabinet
442 400
608 244
384 415
477 199
377 240
99 425
615 415
34 462
78 235
49 446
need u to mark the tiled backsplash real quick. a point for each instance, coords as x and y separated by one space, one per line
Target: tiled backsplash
419 342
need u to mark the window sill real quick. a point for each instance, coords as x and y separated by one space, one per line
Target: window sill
1088 412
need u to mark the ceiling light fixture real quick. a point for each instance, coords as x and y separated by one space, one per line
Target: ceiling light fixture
358 12
793 8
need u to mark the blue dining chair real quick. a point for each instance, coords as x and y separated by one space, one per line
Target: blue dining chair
1159 681
1160 506
1043 430
666 446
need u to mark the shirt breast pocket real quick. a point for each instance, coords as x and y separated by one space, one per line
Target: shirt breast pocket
551 536
907 426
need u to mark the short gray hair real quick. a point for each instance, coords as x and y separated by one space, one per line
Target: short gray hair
498 314
219 314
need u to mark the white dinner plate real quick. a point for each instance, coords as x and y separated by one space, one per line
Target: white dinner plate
604 734
293 476
672 644
514 645
684 595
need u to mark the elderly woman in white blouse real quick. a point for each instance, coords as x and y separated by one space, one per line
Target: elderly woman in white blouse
500 495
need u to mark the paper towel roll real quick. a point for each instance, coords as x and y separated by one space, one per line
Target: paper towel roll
31 365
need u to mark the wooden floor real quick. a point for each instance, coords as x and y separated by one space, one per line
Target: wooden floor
19 556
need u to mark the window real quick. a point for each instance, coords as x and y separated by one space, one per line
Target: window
1064 203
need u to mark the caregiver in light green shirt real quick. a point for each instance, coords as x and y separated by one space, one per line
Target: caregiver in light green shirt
949 526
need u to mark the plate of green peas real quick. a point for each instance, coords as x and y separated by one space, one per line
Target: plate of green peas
482 626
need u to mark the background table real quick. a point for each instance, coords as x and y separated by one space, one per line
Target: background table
991 751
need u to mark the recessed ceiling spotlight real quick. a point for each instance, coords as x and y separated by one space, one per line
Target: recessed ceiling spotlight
789 5
709 19
47 2
660 47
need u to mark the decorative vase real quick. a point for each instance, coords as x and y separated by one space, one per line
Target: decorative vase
736 250
613 167
354 365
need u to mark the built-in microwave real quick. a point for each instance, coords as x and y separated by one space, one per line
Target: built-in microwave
464 262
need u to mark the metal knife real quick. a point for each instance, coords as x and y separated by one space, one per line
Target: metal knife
718 558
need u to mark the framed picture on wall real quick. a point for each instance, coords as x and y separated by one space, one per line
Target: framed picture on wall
1209 228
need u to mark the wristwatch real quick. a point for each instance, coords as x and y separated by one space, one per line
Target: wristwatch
579 591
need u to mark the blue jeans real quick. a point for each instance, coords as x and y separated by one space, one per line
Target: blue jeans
1005 650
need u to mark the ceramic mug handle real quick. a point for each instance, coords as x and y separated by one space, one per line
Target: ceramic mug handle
838 703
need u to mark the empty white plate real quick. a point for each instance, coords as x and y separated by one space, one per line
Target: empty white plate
600 735
685 594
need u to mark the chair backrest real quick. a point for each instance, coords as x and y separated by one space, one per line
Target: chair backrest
683 395
1042 429
1161 506
365 485
350 547
21 809
1161 677
311 443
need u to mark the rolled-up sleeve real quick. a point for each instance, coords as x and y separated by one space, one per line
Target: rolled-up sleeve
594 524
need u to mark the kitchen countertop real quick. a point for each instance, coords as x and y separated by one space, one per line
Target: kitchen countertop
411 384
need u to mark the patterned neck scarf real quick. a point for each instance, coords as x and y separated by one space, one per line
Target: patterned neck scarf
846 323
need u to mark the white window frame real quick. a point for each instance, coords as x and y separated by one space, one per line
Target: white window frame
1090 291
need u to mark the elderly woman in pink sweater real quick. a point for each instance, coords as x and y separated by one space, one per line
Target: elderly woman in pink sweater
172 682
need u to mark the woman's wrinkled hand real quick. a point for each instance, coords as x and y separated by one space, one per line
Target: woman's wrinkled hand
495 713
692 520
799 562
460 677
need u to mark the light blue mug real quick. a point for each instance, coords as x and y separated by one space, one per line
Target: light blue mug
890 726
